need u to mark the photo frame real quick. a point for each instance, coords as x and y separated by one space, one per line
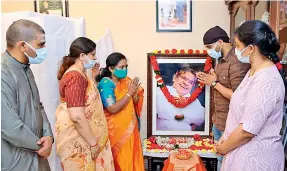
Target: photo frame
52 7
159 108
174 16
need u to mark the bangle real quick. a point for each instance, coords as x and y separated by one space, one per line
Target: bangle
95 145
128 95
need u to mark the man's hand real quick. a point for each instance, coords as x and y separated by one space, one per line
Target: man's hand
206 78
46 143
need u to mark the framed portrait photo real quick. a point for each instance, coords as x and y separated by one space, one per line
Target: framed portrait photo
52 7
178 73
173 15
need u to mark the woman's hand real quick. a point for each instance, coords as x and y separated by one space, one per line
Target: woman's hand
95 151
218 144
134 85
96 70
220 141
135 98
219 150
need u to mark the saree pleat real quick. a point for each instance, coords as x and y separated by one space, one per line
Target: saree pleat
73 150
124 133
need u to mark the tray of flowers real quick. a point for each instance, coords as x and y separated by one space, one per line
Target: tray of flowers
157 146
183 154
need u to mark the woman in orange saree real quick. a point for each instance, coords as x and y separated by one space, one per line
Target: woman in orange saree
81 127
122 99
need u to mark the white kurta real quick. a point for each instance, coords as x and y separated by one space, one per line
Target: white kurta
193 113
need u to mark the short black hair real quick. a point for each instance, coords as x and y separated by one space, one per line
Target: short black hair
22 30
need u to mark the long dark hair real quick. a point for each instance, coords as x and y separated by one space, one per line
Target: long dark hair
256 32
112 60
78 46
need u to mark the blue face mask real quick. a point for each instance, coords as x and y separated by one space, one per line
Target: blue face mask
121 73
243 59
41 55
89 63
212 52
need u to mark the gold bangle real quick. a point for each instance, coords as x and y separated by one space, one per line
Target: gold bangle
128 95
95 145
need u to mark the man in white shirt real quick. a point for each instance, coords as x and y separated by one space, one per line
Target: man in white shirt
183 82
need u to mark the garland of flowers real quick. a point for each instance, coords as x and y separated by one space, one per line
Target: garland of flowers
178 102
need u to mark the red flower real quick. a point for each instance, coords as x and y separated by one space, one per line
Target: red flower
154 146
193 147
158 77
279 66
164 90
154 63
208 64
166 51
159 52
190 51
153 58
196 137
172 141
204 52
182 51
197 52
152 139
173 51
160 81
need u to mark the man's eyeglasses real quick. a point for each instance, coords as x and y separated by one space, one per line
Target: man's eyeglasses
186 79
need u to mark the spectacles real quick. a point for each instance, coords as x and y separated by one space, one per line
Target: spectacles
186 79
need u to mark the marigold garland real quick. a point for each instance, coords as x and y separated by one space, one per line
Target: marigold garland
179 102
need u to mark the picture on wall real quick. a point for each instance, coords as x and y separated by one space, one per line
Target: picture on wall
52 7
173 15
179 77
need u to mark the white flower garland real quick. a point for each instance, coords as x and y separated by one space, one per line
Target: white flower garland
182 142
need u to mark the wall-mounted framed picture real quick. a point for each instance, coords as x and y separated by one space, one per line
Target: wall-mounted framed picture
174 16
179 76
52 7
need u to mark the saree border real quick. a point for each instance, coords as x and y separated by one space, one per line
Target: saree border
117 147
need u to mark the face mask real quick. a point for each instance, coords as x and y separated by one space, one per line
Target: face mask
41 55
121 73
243 59
90 63
213 53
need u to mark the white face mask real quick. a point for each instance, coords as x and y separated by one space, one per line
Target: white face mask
89 63
243 59
212 52
41 55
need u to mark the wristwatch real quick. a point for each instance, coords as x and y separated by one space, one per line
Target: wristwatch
214 83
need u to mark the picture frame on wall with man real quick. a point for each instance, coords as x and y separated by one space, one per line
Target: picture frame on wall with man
52 7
